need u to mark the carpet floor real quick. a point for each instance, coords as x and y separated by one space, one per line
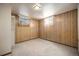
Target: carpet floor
40 47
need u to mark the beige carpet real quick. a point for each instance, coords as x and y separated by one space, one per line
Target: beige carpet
40 47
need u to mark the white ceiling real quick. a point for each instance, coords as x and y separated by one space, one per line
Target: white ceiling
47 9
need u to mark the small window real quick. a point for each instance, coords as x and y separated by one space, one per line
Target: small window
24 21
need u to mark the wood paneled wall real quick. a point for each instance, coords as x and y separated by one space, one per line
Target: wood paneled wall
62 29
27 32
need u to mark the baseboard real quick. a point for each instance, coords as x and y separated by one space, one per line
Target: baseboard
60 43
6 54
25 40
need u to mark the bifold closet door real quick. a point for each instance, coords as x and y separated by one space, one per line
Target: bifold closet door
67 28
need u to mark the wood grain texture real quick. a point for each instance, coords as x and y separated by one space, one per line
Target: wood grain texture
27 32
63 29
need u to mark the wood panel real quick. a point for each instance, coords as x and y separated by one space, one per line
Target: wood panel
63 29
34 29
42 30
27 32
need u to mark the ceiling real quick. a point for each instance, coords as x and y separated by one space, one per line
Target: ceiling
47 9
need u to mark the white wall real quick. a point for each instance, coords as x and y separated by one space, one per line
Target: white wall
13 24
5 29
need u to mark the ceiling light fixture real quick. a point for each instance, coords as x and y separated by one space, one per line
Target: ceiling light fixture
37 6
